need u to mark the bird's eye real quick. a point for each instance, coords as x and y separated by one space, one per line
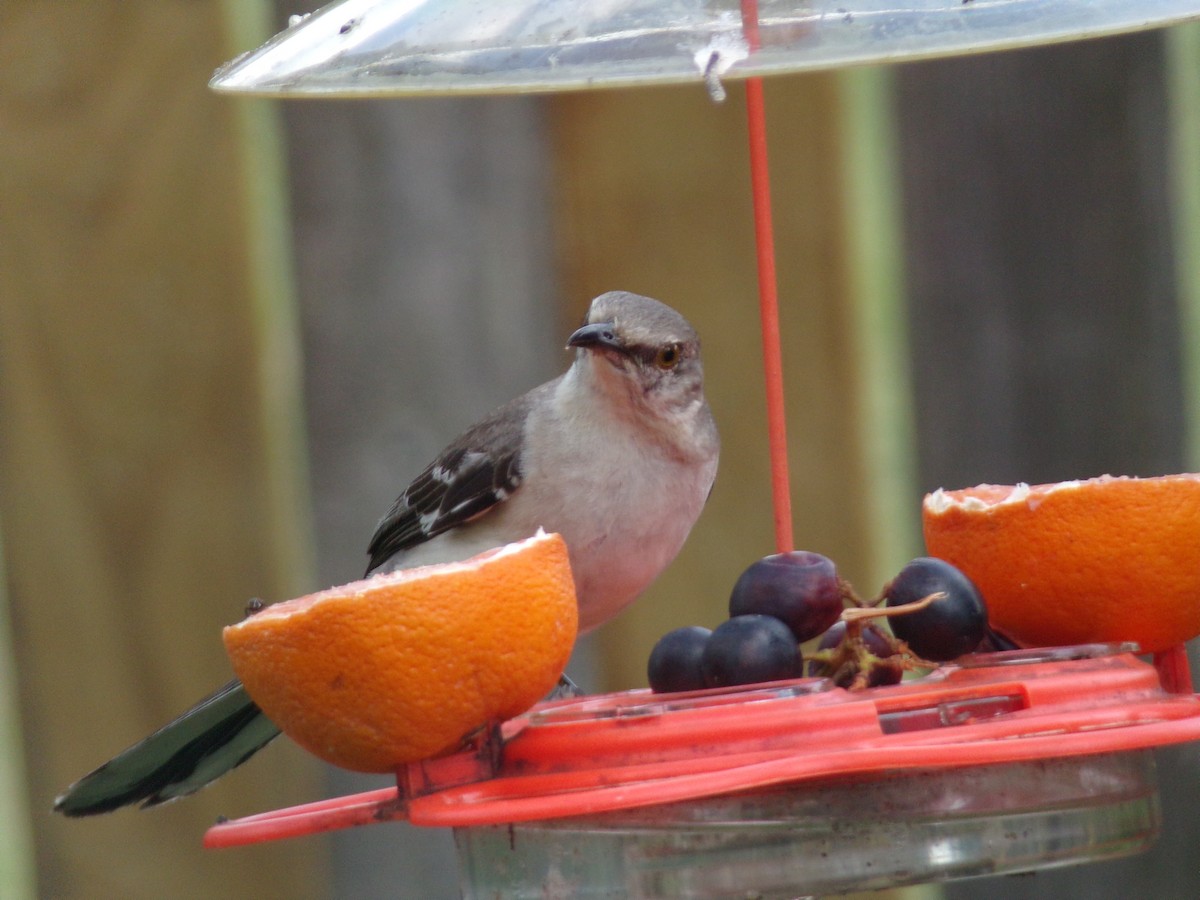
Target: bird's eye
667 357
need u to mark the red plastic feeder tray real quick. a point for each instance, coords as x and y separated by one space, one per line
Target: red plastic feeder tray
1003 762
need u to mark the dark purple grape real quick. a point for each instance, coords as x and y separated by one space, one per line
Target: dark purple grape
800 588
749 649
874 638
675 660
947 628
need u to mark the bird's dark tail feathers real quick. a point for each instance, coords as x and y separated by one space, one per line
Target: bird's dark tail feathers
217 734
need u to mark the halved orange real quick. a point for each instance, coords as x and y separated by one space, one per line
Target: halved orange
400 667
1098 560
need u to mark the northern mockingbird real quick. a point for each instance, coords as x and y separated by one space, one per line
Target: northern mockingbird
618 455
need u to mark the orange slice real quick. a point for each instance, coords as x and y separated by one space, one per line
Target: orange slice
403 666
1106 559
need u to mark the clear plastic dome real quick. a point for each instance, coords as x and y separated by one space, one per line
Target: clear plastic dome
405 47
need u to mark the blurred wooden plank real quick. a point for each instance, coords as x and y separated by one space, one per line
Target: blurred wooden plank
1045 319
1046 329
425 278
655 199
141 486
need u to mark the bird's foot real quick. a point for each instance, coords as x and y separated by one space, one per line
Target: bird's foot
565 690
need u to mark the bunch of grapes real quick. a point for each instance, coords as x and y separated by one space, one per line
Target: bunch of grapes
934 612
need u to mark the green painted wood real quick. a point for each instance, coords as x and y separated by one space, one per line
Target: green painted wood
270 271
1183 98
886 432
18 878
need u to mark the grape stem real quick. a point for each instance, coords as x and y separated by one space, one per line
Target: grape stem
855 614
856 617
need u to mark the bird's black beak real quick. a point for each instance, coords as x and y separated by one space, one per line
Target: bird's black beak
600 335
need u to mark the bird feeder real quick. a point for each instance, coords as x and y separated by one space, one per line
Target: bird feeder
1001 762
1004 762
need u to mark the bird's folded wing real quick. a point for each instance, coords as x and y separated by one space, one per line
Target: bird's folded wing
477 471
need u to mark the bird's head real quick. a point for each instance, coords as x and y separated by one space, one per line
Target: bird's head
641 348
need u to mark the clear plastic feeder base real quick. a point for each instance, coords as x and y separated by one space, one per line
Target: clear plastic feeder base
829 837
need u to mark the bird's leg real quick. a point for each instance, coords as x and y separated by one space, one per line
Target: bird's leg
565 690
